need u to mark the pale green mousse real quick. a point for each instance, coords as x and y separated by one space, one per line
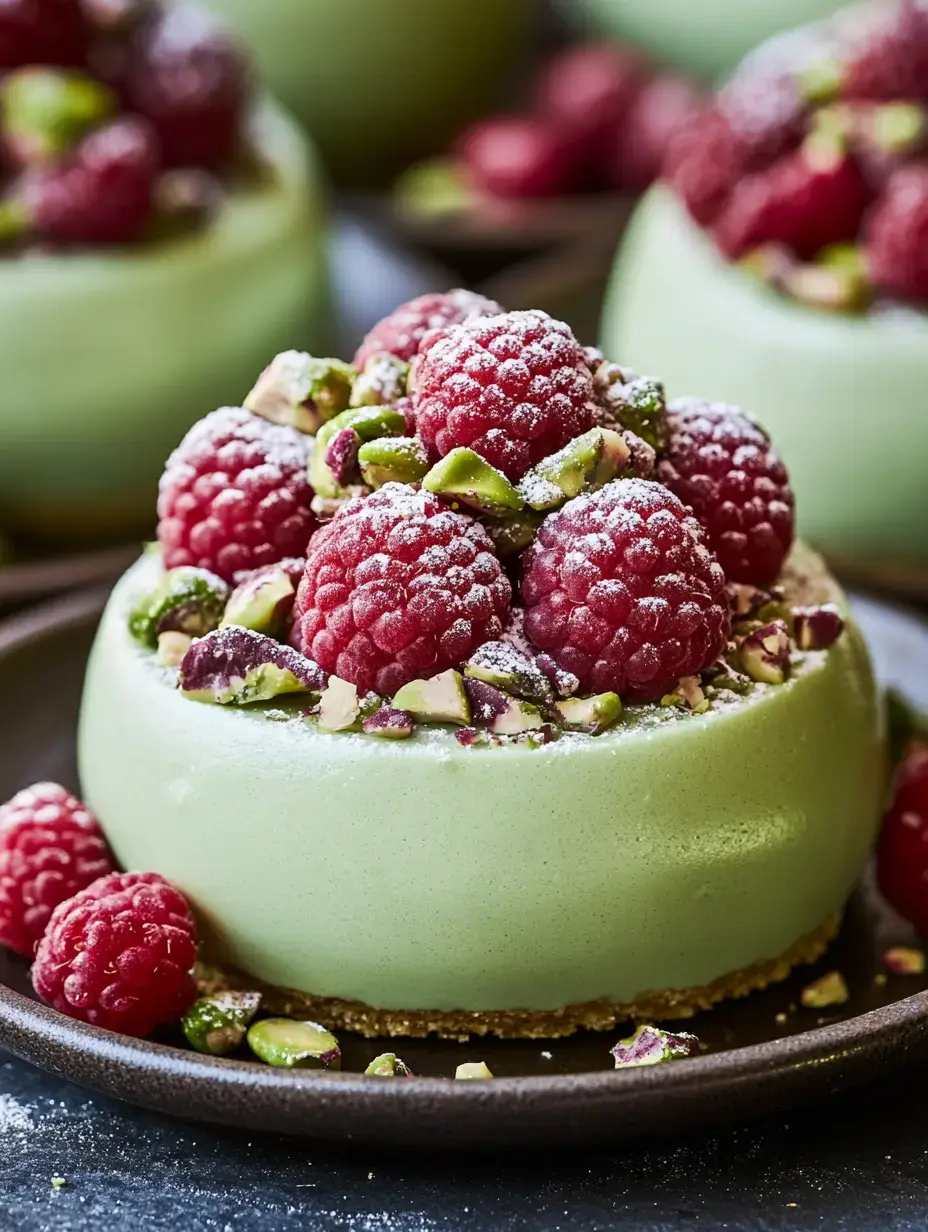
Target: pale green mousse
842 396
379 82
704 36
109 356
423 875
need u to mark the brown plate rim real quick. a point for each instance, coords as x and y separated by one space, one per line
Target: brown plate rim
437 1112
36 579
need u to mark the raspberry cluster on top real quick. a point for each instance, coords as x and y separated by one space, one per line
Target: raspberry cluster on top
118 119
811 168
478 522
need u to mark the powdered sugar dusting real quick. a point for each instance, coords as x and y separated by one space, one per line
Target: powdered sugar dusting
14 1116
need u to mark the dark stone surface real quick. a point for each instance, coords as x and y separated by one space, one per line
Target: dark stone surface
857 1163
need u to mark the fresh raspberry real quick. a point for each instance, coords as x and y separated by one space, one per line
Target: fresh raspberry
662 108
515 156
588 89
191 78
401 332
51 847
103 193
889 59
703 164
897 236
514 388
809 199
397 588
766 112
119 954
234 495
621 590
723 466
902 854
41 32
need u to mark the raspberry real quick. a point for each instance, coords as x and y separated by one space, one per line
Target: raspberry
722 465
897 236
118 955
889 60
662 108
234 495
191 79
50 847
621 590
516 156
902 854
103 193
41 32
401 332
702 165
587 90
806 201
514 388
396 588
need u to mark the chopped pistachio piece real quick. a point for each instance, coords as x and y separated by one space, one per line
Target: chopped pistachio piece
434 187
291 1044
216 1025
302 391
46 111
830 989
688 695
388 1065
831 289
899 128
239 667
338 707
442 699
764 654
518 717
585 464
172 647
382 382
389 724
369 422
470 1070
262 602
817 628
590 714
393 459
513 534
821 81
502 665
633 402
464 476
652 1046
904 960
186 600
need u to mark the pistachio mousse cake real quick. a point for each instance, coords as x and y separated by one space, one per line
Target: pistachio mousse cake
784 266
472 688
148 199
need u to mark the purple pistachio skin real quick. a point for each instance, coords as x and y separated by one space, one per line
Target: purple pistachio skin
652 1046
765 652
293 566
468 736
817 628
341 455
214 661
486 701
565 683
386 721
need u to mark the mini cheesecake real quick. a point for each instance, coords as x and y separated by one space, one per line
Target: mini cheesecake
417 70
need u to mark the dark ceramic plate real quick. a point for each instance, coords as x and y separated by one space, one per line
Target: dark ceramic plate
763 1053
22 581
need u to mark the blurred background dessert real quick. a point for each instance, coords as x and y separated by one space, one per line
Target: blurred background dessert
162 235
784 266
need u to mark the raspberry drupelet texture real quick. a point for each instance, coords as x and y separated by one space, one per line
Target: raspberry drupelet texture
514 388
902 855
897 236
401 332
723 466
398 587
51 846
621 590
119 954
41 32
889 58
234 495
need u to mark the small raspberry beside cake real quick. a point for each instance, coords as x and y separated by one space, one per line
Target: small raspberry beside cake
473 688
148 199
784 266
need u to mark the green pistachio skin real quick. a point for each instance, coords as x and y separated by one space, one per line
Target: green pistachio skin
187 600
388 1065
441 699
382 382
290 1044
464 476
301 391
393 459
369 422
44 112
217 1025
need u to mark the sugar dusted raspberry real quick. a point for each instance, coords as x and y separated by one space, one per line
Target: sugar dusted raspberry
723 466
897 236
703 163
514 388
902 854
51 847
401 332
398 588
119 954
41 32
806 201
234 495
889 58
103 193
191 78
621 590
521 156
